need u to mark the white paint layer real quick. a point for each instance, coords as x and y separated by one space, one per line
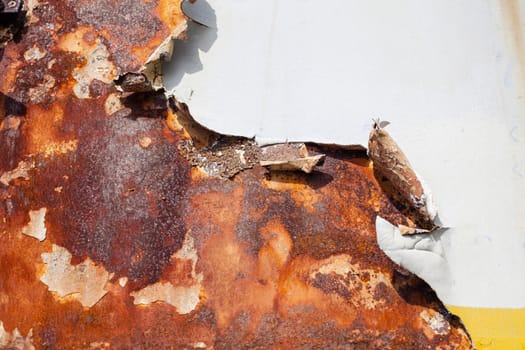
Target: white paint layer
449 75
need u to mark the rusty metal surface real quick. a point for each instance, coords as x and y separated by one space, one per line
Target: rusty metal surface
111 238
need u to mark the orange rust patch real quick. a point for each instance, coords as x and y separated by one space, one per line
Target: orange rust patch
169 12
44 129
297 186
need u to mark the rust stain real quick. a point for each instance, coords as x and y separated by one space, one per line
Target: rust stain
182 259
512 19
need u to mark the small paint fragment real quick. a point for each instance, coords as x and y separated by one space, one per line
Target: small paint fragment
14 340
435 321
21 171
289 157
122 281
145 142
241 155
84 282
36 227
34 54
184 299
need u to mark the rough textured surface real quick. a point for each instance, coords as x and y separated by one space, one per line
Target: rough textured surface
183 259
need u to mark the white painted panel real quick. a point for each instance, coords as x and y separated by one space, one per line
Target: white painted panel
447 75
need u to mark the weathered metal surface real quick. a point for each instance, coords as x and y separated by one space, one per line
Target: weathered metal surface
111 238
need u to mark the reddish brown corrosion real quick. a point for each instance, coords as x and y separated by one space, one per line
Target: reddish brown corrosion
283 260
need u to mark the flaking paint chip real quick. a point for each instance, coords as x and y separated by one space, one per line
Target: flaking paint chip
84 282
36 227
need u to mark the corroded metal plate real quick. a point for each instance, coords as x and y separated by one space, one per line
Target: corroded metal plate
111 238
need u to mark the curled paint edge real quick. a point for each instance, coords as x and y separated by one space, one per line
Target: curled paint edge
421 254
152 68
392 162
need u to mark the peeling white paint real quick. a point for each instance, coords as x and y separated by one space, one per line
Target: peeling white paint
450 84
36 227
14 340
98 67
430 206
421 254
84 282
31 5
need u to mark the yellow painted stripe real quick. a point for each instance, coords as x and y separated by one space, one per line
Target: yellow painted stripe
493 329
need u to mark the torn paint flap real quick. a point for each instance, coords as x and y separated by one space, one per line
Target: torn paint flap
289 157
422 255
390 161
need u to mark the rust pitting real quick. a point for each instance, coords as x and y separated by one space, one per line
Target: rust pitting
109 196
